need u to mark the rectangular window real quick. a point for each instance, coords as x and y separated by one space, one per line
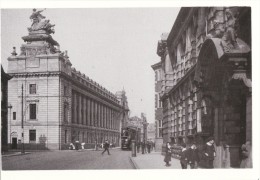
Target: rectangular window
156 101
14 115
65 90
32 135
32 111
32 88
65 113
65 136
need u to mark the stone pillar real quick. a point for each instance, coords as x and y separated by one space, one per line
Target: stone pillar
91 112
84 111
88 111
249 118
75 108
80 110
107 117
101 115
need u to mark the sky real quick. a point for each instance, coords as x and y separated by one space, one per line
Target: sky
113 46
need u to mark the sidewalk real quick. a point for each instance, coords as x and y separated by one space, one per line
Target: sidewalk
14 153
154 160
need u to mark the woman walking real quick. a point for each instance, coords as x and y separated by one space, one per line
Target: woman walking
168 154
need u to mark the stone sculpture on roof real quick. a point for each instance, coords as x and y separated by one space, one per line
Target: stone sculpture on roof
39 22
39 41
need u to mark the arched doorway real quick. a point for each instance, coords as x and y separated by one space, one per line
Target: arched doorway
221 78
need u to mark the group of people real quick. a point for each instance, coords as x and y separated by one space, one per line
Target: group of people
146 147
192 156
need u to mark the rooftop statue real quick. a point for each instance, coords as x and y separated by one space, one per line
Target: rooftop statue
39 23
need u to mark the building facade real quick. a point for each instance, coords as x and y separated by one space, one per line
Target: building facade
57 104
158 103
151 132
206 67
4 110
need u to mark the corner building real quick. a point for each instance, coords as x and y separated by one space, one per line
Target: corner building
58 104
206 85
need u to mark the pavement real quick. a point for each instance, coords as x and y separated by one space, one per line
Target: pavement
153 160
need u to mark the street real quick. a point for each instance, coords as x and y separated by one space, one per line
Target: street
61 160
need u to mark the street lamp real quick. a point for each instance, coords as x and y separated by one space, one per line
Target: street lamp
10 109
22 149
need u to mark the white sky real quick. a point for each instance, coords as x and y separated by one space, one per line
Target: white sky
114 46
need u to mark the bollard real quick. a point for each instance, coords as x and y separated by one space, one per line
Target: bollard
133 148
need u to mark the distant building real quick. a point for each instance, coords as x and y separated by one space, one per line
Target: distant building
206 74
60 104
158 103
4 109
151 132
124 115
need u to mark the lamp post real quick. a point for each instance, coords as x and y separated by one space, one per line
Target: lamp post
22 149
10 109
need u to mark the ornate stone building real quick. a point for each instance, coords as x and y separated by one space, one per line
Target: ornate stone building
60 104
206 75
159 84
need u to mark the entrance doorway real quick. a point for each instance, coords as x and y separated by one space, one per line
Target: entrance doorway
14 143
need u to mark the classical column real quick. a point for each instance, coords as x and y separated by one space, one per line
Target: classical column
79 111
84 118
98 115
72 107
101 115
113 118
107 117
91 112
75 109
88 111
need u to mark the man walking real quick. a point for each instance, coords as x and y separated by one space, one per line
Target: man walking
193 156
183 157
209 152
106 147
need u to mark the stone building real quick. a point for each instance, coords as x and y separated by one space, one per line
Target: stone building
158 103
124 114
151 132
60 104
4 110
206 80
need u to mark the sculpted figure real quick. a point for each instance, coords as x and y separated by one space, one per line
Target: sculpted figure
36 16
229 39
39 23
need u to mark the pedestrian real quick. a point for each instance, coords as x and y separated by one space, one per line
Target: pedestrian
209 152
193 156
106 147
143 147
77 145
183 157
168 154
246 155
138 147
72 147
83 145
149 147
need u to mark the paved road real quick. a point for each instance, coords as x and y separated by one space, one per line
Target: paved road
58 160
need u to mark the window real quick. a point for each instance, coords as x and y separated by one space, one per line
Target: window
32 135
65 136
32 89
65 112
32 111
14 115
65 90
